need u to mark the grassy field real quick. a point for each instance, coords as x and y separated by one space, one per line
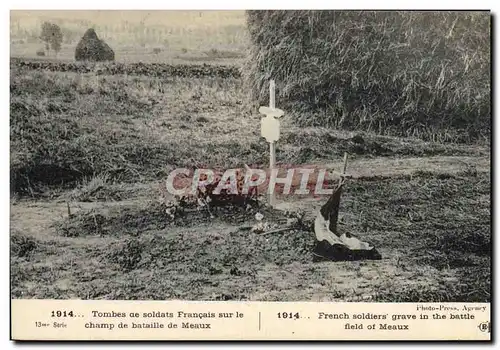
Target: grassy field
104 147
90 151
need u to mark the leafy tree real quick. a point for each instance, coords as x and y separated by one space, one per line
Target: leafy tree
52 36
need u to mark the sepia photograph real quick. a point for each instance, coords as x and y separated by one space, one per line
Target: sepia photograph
251 155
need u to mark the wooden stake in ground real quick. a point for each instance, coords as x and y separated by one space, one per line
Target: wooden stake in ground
270 129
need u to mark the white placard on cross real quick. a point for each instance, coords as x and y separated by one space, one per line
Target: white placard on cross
270 130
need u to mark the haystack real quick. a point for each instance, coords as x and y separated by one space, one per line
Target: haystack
333 245
399 72
91 48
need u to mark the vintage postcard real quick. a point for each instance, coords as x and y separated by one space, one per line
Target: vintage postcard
250 175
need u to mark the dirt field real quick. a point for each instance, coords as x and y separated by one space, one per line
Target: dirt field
424 205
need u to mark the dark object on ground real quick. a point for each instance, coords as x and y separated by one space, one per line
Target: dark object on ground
324 251
40 53
333 245
91 48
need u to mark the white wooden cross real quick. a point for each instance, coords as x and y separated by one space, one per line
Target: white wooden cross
270 129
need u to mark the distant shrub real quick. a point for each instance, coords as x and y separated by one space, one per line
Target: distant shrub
40 53
156 50
52 36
